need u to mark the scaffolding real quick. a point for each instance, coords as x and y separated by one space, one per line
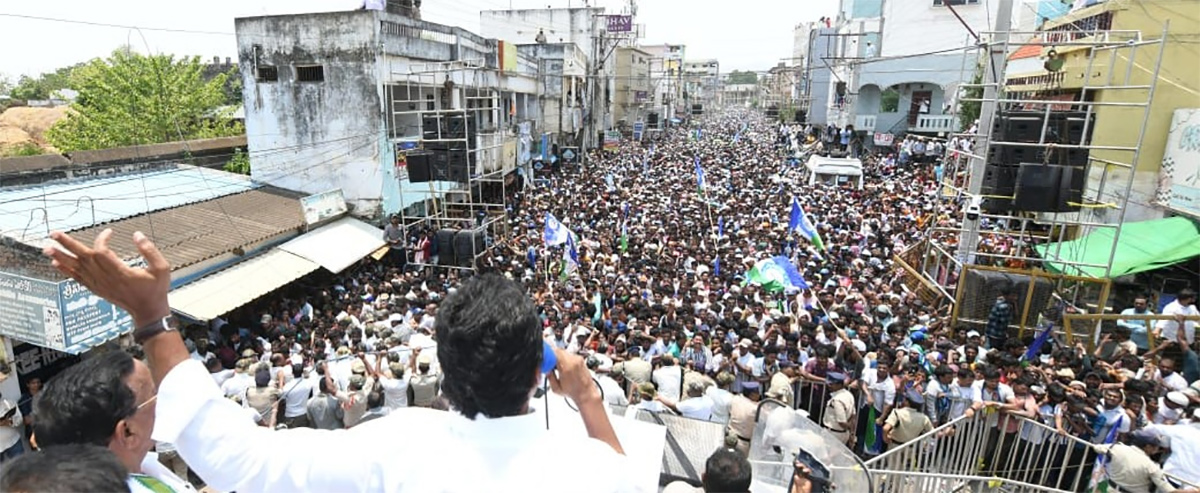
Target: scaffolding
421 98
1111 77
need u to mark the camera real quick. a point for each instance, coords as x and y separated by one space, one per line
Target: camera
972 209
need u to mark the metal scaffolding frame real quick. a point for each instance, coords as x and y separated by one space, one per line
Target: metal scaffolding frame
451 89
1105 187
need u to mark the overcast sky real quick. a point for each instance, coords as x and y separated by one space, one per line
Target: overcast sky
752 34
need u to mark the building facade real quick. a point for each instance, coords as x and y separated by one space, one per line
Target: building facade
632 101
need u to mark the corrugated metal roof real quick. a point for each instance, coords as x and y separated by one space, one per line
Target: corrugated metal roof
28 214
222 292
196 232
337 245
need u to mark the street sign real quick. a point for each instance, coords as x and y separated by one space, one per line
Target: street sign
638 129
60 315
619 23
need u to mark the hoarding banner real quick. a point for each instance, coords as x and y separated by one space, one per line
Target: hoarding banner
882 139
1179 178
619 23
323 206
612 140
59 315
638 129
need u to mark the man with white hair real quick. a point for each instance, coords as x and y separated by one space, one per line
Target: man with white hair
695 406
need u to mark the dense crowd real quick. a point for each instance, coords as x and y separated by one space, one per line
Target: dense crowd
654 289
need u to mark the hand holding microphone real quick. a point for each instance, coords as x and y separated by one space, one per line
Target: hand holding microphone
568 375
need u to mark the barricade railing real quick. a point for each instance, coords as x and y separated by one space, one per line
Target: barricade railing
1183 483
1032 457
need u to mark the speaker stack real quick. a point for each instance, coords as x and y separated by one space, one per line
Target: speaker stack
1018 171
468 243
445 245
419 166
450 139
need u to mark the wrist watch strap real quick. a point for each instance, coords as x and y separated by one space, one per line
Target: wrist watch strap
167 323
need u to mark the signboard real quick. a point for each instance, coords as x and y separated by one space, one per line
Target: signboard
640 96
323 206
619 23
612 140
506 57
1179 179
638 129
884 140
60 315
32 361
570 155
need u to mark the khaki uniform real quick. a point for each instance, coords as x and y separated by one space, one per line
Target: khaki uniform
637 370
781 388
424 389
741 421
908 423
839 410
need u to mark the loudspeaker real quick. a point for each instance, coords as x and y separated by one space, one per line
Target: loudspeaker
980 290
467 244
1037 188
460 126
999 181
1070 189
458 172
431 126
418 166
445 245
652 120
439 167
801 116
1043 289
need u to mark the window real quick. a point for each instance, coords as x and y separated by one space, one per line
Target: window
889 101
266 73
310 73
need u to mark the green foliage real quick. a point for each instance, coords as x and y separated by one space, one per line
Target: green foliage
133 99
239 163
747 77
968 111
5 85
889 101
787 113
23 149
45 85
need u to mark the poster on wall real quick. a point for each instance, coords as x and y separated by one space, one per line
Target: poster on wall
323 206
1179 177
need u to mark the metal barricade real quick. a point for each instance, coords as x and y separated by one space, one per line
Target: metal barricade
979 449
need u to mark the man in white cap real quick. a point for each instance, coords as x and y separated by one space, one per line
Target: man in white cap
1184 461
1171 408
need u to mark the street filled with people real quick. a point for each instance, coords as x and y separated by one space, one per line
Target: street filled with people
699 272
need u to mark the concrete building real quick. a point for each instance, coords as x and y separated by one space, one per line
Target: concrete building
701 81
740 95
1117 126
562 75
335 100
903 85
666 76
818 55
632 101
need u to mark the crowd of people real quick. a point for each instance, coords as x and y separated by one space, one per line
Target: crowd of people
654 290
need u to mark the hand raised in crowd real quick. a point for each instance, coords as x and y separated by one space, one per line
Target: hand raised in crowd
140 291
571 378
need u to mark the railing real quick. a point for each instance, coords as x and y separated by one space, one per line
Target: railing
935 123
978 450
865 122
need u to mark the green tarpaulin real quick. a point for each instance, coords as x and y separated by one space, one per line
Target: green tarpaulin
1142 246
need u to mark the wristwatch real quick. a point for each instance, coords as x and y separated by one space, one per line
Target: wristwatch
167 323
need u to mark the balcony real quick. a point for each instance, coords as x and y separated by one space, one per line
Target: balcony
935 123
864 123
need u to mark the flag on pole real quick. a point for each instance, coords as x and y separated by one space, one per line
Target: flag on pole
872 443
1035 349
570 258
531 256
554 233
699 176
799 221
721 227
776 274
717 267
1099 481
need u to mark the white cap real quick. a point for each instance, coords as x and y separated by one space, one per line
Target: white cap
973 333
1178 398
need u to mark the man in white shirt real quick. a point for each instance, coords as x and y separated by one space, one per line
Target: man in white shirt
695 406
668 378
241 380
613 395
1183 306
295 395
109 400
394 384
1184 461
721 397
488 338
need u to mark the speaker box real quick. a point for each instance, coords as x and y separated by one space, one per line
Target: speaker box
431 125
418 166
980 290
445 244
1037 188
439 166
459 173
652 120
467 244
1000 181
1043 290
1070 189
459 126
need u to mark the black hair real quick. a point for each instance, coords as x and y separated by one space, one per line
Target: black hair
965 372
84 403
727 470
375 399
490 347
68 467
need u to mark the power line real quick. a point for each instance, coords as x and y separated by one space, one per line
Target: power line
118 26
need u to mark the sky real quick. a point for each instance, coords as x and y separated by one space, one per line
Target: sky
740 37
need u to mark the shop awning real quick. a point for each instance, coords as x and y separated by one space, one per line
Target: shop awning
1142 246
337 245
230 288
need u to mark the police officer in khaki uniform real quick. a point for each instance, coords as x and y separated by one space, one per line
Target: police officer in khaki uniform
839 417
741 418
423 384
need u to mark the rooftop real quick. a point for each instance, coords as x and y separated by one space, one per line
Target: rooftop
29 213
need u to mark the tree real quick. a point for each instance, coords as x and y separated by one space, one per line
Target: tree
5 85
746 77
43 86
968 111
238 163
133 99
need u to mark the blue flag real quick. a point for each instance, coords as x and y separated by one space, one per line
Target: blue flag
798 221
555 233
789 269
1035 349
721 227
717 267
699 176
531 256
